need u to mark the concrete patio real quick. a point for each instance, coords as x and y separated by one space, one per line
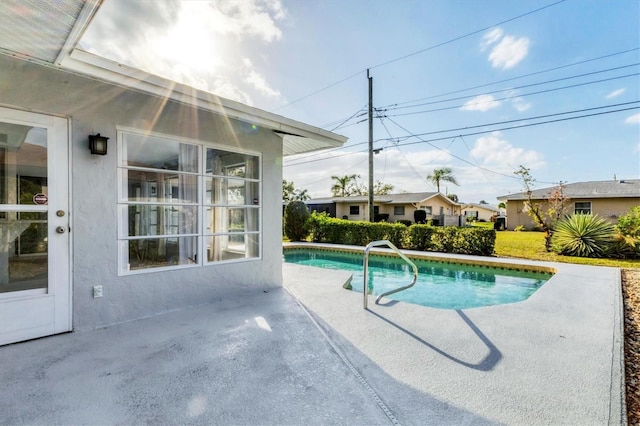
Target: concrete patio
267 358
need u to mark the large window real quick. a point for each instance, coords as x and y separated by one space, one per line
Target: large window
182 203
354 210
583 207
398 210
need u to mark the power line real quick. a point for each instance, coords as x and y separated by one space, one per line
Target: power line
416 53
428 141
453 155
512 127
465 35
528 118
514 88
497 123
517 96
341 122
516 78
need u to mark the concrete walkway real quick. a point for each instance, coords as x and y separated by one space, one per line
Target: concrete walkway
264 358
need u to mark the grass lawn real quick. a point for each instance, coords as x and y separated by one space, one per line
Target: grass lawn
530 245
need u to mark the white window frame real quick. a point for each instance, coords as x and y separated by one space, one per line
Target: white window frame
202 234
575 207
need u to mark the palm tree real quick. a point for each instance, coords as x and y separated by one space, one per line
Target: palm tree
341 188
444 174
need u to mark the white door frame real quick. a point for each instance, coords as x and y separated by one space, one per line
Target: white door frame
29 314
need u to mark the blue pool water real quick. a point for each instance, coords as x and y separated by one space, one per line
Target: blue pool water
439 285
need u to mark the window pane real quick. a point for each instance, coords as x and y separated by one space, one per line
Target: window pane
228 247
354 209
159 252
231 219
159 153
149 220
225 163
231 191
583 207
398 210
23 164
160 187
24 251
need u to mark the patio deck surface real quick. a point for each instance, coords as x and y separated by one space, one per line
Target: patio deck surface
263 358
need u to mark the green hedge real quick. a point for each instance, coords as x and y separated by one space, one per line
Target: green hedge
459 240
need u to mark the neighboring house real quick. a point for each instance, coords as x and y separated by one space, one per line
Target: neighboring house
391 208
480 212
182 209
608 199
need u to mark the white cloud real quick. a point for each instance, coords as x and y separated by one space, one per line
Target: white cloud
197 43
615 93
480 103
248 17
500 155
491 37
520 104
634 119
509 52
260 84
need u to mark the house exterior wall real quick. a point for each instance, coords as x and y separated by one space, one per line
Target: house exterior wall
94 107
607 208
436 203
390 209
483 214
343 209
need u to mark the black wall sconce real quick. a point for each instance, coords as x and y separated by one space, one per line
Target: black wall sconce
98 144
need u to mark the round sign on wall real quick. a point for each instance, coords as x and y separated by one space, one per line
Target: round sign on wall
40 199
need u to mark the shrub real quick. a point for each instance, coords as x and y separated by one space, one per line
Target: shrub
463 240
583 235
405 222
296 216
419 237
519 228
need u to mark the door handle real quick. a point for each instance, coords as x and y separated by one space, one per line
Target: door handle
60 229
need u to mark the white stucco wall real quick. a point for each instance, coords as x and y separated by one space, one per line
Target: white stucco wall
96 107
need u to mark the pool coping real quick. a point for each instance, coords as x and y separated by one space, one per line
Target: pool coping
590 327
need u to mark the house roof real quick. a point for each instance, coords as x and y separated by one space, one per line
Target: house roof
627 188
48 33
480 206
405 198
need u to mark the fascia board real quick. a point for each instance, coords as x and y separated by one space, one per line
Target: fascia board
87 63
79 27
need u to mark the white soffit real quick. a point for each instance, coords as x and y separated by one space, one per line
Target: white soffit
36 28
48 32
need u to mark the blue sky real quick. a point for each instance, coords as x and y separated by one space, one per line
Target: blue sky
448 75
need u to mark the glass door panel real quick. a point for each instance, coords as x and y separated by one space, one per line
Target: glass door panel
23 208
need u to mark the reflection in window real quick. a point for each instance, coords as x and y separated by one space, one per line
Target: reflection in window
232 204
161 186
23 234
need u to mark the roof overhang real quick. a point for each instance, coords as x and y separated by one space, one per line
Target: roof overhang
297 137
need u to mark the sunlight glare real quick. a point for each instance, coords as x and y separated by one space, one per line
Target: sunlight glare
191 42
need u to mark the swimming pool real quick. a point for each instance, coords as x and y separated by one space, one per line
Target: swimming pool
440 284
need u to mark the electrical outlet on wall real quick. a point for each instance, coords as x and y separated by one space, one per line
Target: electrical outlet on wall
97 291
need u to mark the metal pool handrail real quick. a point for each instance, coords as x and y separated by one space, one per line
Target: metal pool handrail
366 269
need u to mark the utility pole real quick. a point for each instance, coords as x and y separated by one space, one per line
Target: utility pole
371 218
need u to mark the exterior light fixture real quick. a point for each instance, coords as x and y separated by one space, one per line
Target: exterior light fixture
98 144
